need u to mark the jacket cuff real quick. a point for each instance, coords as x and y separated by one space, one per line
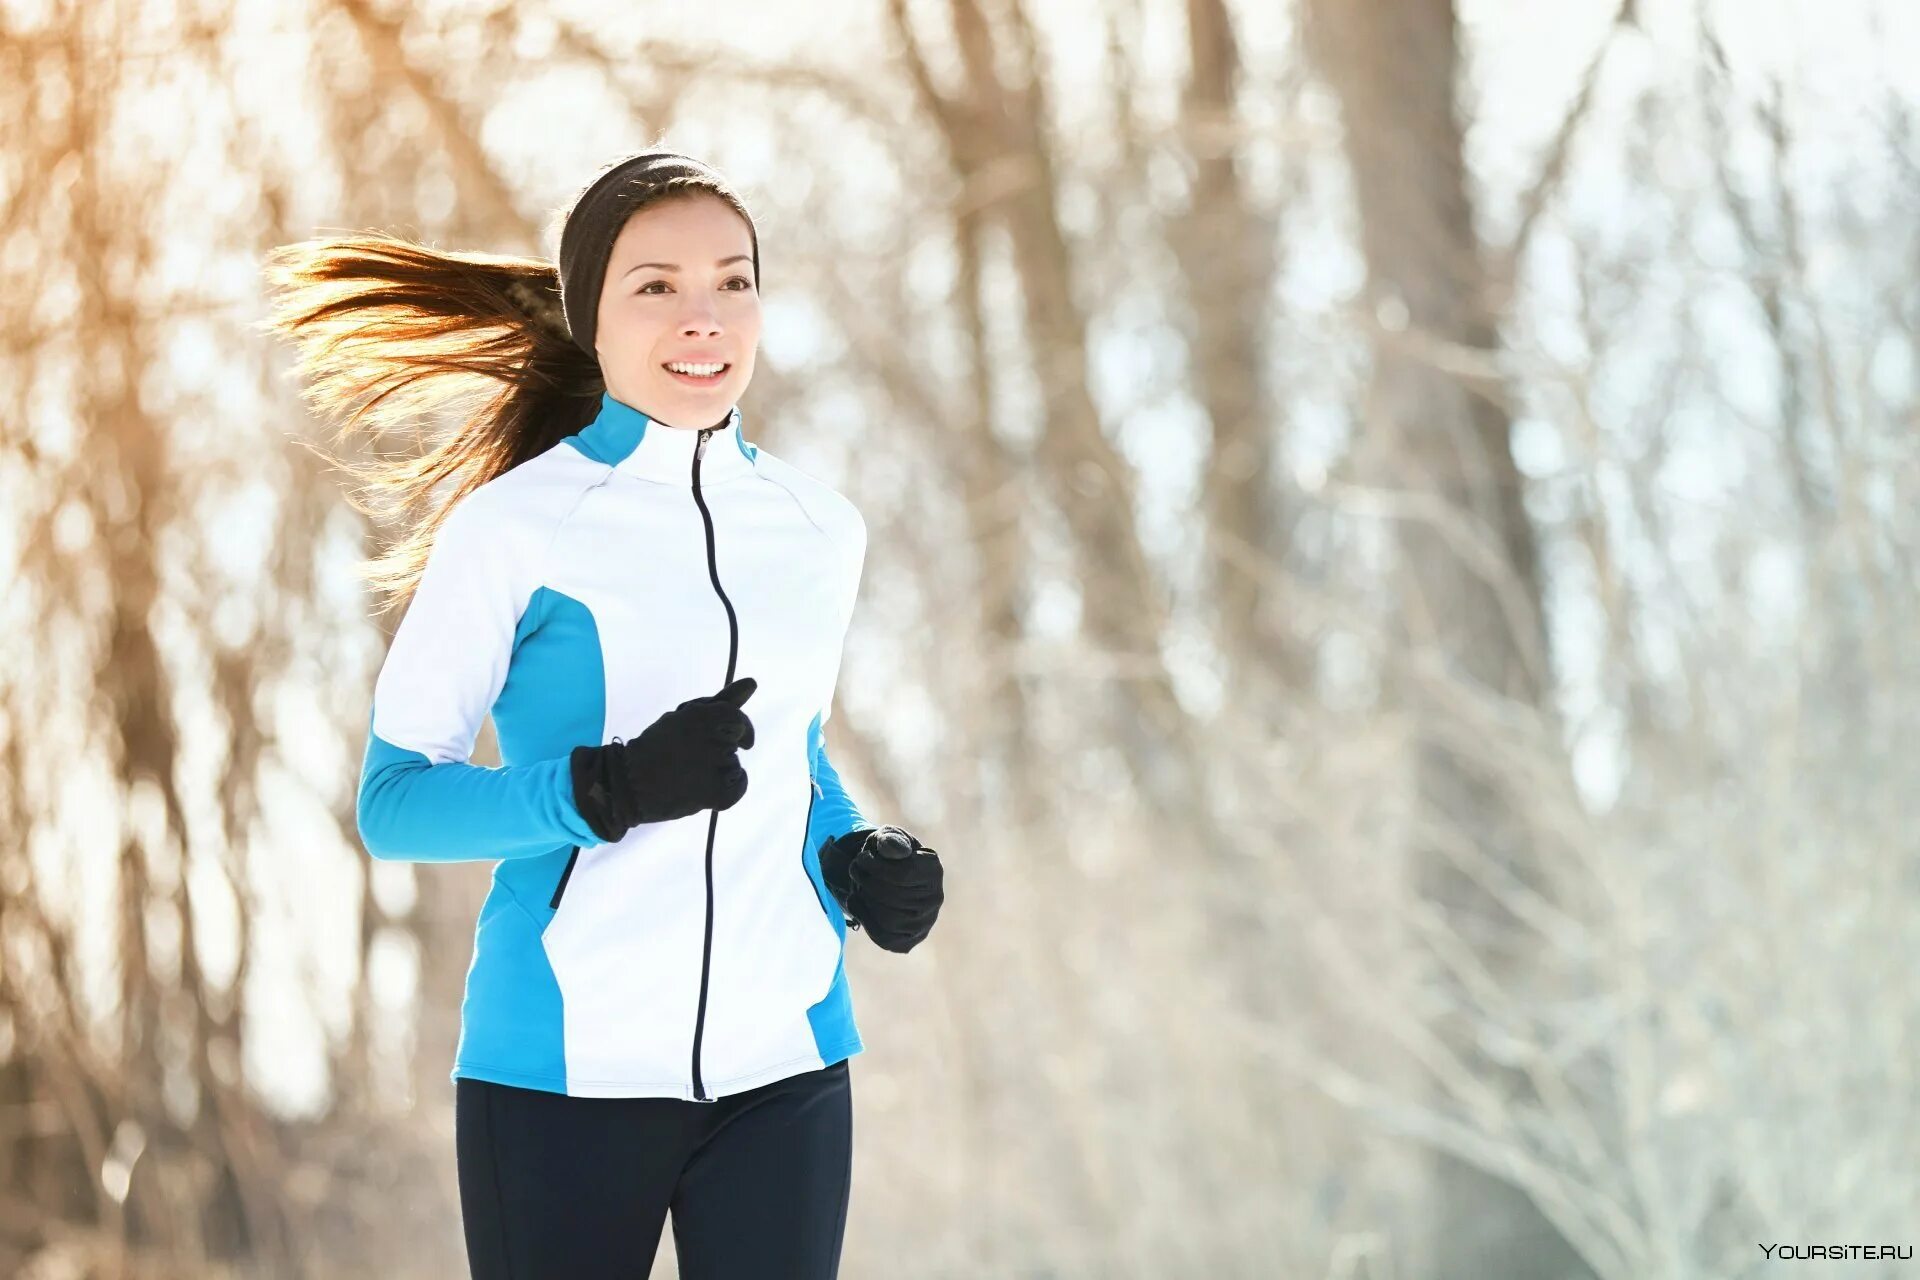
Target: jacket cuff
592 794
836 859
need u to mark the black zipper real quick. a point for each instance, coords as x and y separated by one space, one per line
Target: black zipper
713 822
562 886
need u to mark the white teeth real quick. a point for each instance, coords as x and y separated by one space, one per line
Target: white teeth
697 370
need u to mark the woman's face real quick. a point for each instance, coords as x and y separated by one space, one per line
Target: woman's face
679 288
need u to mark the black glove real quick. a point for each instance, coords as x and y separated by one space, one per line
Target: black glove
685 761
887 882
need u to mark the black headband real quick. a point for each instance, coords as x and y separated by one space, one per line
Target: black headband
586 241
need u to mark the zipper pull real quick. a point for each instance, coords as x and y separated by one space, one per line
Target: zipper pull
700 445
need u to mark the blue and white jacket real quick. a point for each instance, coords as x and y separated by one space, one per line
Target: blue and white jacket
578 596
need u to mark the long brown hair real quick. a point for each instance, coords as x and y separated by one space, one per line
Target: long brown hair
390 330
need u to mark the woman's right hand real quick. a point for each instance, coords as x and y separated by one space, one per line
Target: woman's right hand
685 761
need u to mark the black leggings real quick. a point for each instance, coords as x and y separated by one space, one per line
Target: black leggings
553 1186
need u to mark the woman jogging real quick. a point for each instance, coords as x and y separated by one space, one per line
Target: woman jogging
653 610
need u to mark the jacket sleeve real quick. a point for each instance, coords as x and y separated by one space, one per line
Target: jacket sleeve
834 811
420 800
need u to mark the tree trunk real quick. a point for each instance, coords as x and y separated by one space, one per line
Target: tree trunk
1393 67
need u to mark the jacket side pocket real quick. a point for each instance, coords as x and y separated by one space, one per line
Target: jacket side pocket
564 877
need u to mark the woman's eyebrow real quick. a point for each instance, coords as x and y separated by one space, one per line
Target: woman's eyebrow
674 266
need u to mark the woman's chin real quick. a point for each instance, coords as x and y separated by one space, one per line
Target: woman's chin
694 406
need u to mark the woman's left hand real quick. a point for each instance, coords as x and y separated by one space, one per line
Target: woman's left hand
897 888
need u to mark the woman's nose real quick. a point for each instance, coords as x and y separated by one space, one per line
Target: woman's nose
700 322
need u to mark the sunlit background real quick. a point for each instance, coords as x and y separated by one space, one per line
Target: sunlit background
1391 585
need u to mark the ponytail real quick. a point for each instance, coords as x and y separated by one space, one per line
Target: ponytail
389 330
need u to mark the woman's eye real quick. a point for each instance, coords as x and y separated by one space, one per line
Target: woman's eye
741 281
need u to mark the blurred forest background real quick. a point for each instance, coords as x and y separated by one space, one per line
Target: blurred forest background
1391 584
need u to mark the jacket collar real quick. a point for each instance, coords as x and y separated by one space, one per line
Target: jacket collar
628 440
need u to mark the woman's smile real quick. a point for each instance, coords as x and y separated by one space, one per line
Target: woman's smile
695 373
